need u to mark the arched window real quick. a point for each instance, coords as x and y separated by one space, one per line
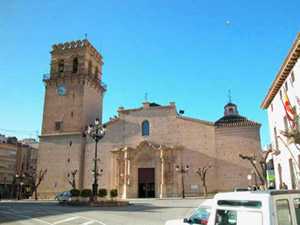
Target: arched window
61 66
145 128
75 65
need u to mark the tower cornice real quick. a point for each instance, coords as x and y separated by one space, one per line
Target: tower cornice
48 80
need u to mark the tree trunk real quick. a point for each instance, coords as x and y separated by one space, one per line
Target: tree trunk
35 194
74 183
205 190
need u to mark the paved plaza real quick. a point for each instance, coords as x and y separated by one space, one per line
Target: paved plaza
139 212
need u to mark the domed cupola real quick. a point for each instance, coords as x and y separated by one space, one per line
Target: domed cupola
233 118
230 109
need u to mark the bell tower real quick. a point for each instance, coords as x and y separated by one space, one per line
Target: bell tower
73 99
74 88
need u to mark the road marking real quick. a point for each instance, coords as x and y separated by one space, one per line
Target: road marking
67 220
92 220
88 223
27 217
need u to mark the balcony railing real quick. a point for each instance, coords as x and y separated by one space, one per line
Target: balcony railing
103 85
46 76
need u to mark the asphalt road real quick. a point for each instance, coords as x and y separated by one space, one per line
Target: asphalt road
141 212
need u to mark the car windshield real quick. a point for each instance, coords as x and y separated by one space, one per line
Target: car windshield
200 216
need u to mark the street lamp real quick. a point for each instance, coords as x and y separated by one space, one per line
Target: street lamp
182 170
17 188
21 192
19 180
96 131
249 178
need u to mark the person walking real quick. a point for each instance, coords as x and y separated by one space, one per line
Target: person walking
284 186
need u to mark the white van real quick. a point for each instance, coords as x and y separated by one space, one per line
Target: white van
256 208
253 208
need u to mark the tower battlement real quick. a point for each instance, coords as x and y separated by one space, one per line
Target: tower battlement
75 58
79 44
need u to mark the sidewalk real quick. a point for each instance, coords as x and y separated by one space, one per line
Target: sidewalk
172 198
27 200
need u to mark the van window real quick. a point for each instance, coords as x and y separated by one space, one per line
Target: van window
244 217
283 212
226 217
233 217
200 216
297 209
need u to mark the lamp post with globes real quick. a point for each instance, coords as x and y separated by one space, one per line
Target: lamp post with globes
20 183
249 178
182 170
96 131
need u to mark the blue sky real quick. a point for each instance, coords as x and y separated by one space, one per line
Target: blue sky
190 52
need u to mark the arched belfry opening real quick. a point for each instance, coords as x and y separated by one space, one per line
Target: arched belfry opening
75 65
61 66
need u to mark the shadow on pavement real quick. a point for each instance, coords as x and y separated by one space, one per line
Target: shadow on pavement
11 211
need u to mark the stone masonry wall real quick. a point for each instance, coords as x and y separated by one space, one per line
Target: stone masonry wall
232 171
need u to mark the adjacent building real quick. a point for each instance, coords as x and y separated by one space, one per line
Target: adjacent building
285 90
8 165
143 147
16 161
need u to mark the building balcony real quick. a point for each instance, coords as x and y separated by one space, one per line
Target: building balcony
46 76
103 85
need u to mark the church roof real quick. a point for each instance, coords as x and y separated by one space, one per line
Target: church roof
150 105
226 121
111 121
195 120
153 104
235 120
232 118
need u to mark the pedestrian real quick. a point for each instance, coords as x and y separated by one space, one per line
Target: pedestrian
271 185
284 186
254 188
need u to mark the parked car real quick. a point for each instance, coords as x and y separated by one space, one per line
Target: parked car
63 197
199 216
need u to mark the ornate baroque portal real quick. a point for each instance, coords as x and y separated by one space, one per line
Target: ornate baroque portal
148 170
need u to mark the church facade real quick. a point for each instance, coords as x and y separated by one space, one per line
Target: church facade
144 149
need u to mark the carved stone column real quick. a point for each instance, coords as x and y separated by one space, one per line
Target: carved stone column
124 196
162 171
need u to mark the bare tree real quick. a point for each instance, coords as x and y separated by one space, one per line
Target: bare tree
202 171
259 164
72 178
35 183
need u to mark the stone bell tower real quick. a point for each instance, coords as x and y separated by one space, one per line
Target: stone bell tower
74 91
73 99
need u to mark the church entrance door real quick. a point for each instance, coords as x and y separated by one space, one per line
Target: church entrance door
146 182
